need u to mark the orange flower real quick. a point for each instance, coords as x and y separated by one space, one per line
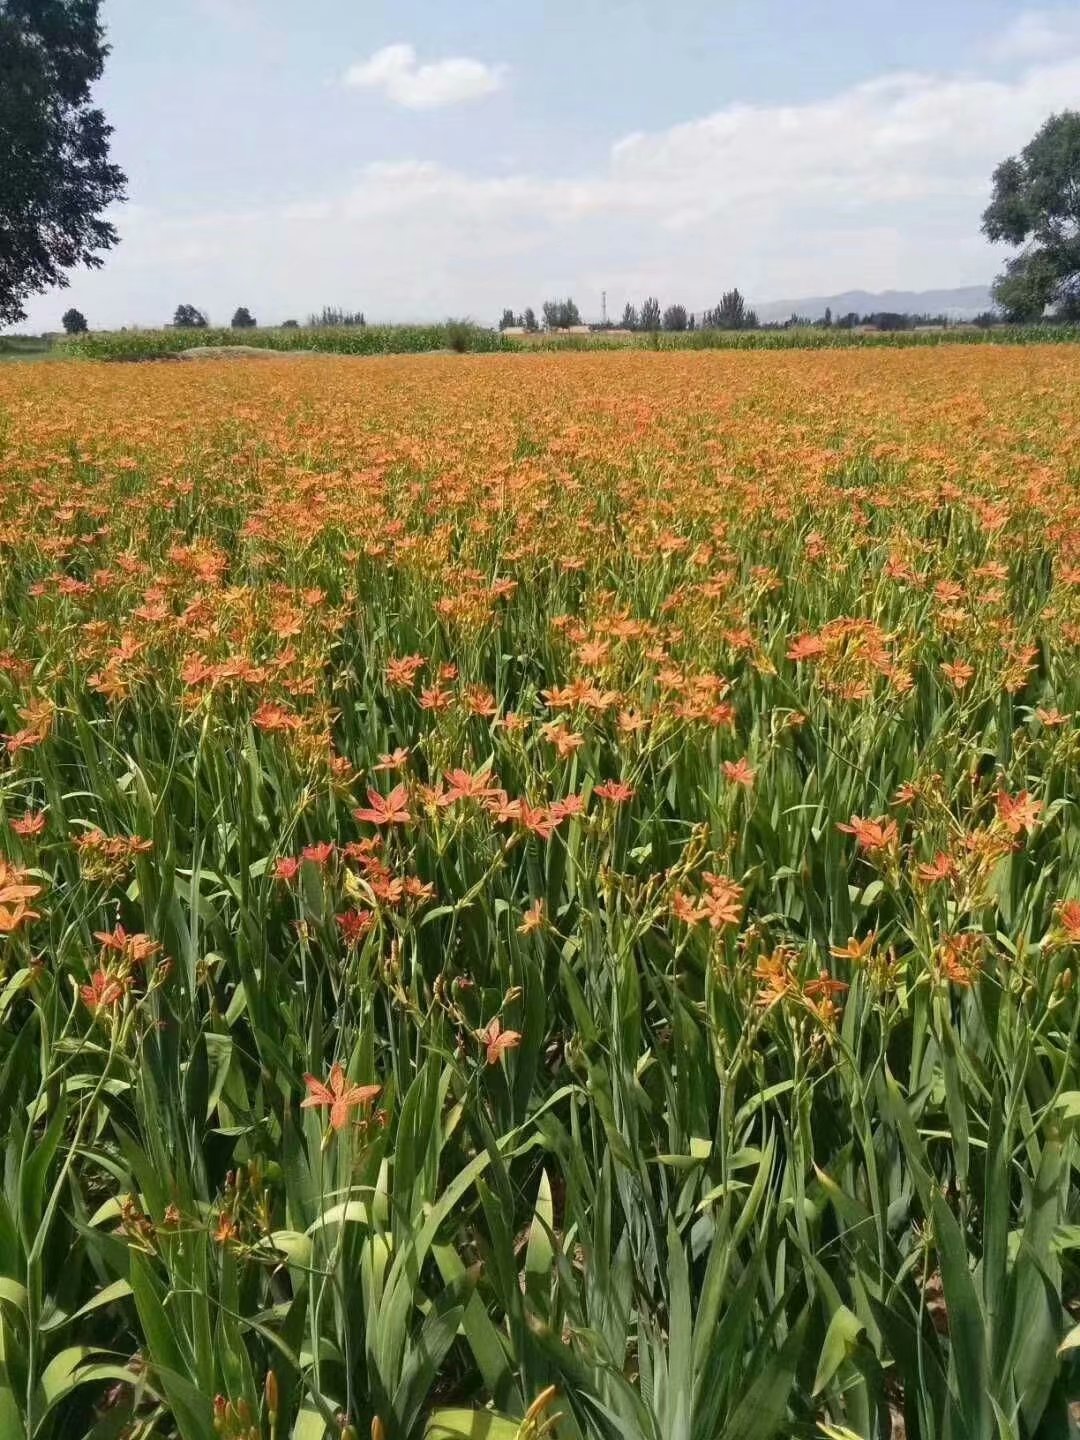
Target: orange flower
1069 918
354 925
32 823
338 1094
14 893
498 1040
615 791
857 951
227 1229
739 772
104 992
806 647
872 835
1018 813
464 786
775 978
533 919
942 867
137 948
275 719
960 958
401 673
392 809
394 761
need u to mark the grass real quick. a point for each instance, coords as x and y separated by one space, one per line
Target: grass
541 899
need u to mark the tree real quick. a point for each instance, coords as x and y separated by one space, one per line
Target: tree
675 317
188 318
74 322
629 319
1036 204
290 325
242 319
507 321
732 313
560 314
529 319
54 148
650 314
332 317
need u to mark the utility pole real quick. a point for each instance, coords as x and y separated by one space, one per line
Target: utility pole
603 307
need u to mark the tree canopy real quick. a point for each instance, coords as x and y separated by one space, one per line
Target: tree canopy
561 314
55 175
650 314
732 313
188 318
242 319
74 322
1036 205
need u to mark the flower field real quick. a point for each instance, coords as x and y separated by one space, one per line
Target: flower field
540 897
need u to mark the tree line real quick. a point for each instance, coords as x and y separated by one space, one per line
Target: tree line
732 313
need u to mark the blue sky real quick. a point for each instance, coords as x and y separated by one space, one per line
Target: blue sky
416 159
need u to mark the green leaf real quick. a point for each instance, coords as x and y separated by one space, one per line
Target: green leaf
71 1368
170 1356
967 1332
844 1330
470 1425
763 1409
118 1290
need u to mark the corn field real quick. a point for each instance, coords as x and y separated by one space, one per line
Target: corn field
540 897
465 336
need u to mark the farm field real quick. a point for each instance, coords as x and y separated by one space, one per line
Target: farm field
540 896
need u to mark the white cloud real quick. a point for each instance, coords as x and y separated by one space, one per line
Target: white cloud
880 185
1037 35
396 71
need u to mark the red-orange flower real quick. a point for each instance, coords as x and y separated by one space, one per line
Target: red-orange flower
354 925
615 791
942 867
14 893
104 992
872 835
392 809
32 823
739 771
1018 813
1069 918
498 1040
338 1094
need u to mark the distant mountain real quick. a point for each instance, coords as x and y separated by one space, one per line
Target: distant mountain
963 303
